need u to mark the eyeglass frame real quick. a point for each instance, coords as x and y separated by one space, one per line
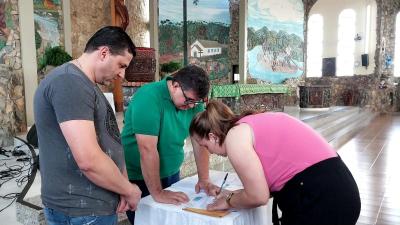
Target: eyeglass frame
188 100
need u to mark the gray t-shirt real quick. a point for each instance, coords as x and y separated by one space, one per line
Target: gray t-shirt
67 94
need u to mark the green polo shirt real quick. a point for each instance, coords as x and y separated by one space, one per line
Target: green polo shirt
152 112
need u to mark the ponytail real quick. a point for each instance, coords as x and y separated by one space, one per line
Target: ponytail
218 119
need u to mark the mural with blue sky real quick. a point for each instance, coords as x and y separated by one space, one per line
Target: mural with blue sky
275 39
208 25
206 10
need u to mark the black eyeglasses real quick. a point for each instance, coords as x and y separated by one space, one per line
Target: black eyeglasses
189 101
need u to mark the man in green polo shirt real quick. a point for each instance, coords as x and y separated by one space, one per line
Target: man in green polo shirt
156 125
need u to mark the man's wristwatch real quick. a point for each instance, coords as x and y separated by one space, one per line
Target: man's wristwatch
228 199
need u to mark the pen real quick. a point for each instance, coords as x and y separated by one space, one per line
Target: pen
223 182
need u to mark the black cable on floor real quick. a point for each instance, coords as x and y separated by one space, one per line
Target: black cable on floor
12 196
15 172
31 178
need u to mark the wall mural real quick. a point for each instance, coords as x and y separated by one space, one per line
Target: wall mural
208 36
275 40
48 25
208 24
6 30
170 31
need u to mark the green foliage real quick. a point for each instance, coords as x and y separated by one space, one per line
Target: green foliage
9 20
223 70
170 66
171 34
276 43
38 38
54 56
2 44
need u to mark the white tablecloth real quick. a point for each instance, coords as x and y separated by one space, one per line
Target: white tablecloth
150 212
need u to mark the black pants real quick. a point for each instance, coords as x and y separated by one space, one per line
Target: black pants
323 194
165 182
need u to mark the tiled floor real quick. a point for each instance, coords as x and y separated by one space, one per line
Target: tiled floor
372 156
8 215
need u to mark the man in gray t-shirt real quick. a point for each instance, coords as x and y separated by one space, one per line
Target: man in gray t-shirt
81 158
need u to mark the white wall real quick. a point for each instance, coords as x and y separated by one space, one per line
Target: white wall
330 10
28 53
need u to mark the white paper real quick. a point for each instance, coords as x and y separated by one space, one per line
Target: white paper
199 201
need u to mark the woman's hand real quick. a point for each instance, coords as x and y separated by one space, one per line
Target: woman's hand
219 203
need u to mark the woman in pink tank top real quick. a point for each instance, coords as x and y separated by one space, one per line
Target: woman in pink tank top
277 155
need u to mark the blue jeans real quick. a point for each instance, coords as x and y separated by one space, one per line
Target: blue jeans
165 182
54 217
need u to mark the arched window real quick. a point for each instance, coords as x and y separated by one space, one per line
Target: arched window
345 47
367 29
397 48
314 45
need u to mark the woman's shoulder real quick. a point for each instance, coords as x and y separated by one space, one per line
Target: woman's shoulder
238 132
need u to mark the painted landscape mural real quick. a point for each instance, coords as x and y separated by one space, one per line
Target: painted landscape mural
48 23
170 31
208 24
275 40
6 30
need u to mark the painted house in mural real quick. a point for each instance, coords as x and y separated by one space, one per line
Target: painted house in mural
202 48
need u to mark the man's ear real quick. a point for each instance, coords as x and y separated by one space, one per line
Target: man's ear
104 51
175 84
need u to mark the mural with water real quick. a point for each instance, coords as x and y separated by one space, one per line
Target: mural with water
208 24
48 25
275 40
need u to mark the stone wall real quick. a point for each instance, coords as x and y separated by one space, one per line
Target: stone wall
138 26
367 90
12 101
233 51
86 18
89 16
7 119
386 30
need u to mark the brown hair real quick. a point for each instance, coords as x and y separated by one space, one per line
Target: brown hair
218 119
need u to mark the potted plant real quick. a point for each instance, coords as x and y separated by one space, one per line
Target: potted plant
52 57
169 67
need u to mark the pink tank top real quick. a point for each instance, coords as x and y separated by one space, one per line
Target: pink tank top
285 146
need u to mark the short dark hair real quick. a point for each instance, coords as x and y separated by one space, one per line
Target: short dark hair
193 78
115 38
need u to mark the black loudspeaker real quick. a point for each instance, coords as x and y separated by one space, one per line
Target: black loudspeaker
364 60
329 67
235 70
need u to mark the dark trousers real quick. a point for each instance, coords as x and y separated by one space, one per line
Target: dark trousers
323 194
165 182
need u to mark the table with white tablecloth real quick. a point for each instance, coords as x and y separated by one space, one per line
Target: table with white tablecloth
150 212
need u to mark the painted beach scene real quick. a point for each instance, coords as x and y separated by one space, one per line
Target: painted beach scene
275 40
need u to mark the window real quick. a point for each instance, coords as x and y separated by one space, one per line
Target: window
314 45
367 29
345 47
397 48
